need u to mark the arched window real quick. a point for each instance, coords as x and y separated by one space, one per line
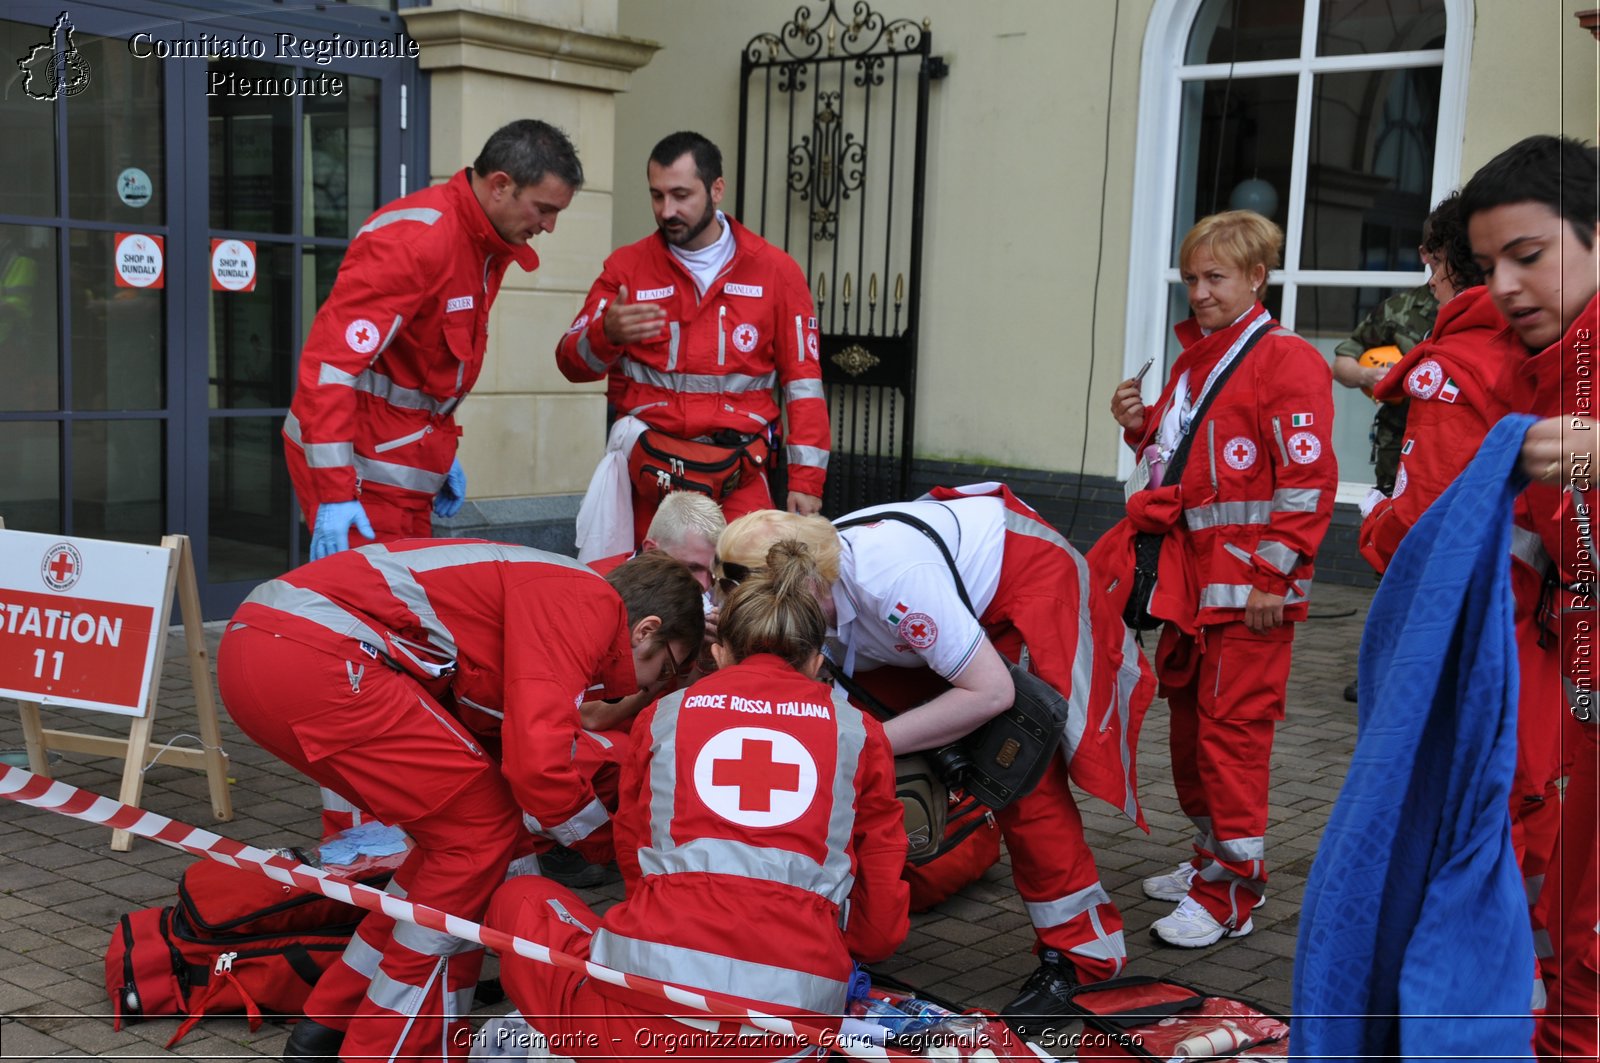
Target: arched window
1339 119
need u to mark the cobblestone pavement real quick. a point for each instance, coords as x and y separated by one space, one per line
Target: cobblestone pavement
62 887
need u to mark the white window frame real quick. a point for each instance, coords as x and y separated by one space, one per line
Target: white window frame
1162 77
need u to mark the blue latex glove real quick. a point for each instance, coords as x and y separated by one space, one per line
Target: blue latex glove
447 503
332 531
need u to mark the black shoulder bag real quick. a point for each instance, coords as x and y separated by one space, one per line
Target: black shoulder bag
1007 756
1147 545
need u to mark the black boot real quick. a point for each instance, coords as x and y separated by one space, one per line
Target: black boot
1350 692
311 1042
1043 1000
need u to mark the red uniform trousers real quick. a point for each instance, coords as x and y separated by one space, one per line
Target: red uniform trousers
375 736
1051 863
582 1020
1569 1028
1225 699
751 494
1535 793
391 522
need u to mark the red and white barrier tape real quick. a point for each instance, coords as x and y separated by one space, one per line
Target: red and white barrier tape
27 788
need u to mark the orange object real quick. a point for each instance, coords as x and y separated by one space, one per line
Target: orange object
1384 357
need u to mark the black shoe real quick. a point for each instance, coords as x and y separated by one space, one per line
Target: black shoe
1350 692
311 1042
568 867
1043 1000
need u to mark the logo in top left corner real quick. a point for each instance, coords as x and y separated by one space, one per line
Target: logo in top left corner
62 566
55 68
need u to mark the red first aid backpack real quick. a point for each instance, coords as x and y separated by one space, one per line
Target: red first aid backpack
236 941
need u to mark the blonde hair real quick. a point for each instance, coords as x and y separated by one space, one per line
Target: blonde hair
1242 239
683 513
747 540
776 610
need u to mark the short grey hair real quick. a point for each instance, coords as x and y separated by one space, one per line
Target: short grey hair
528 149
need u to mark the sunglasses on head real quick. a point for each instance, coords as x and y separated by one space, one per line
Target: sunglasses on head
729 574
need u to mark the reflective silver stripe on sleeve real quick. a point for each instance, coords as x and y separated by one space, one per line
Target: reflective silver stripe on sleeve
600 739
697 383
379 386
1221 513
1296 499
796 390
1280 556
1045 914
586 352
371 470
429 942
401 579
320 610
719 974
674 330
1234 595
425 215
1527 547
579 826
319 455
814 457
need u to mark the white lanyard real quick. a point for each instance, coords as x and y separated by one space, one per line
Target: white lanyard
1186 410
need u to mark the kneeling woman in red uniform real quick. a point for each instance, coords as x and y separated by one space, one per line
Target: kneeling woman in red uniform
760 843
435 683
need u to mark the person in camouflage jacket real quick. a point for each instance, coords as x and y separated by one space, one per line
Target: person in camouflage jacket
1402 320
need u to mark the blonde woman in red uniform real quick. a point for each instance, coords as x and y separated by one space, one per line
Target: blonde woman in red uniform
760 843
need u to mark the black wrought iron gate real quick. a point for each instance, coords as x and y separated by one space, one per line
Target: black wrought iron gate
833 139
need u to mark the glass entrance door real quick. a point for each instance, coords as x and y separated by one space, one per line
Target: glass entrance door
136 403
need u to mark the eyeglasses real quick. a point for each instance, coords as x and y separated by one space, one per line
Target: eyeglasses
671 670
731 575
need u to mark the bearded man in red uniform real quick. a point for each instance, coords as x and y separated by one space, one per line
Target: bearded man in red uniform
694 326
371 435
435 683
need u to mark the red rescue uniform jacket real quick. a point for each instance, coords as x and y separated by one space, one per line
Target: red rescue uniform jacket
515 637
395 349
718 357
760 841
1453 381
1257 491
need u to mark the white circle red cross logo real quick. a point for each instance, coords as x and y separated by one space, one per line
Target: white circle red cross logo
755 776
1426 379
61 567
362 336
919 630
745 338
1239 452
1304 448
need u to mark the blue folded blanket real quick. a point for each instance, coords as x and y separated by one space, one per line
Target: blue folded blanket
1414 937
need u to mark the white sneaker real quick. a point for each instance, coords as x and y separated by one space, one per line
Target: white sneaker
1173 886
1191 927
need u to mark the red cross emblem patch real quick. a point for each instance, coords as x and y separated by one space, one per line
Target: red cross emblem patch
919 630
62 566
1239 452
362 336
755 776
1400 481
1304 448
1426 379
745 337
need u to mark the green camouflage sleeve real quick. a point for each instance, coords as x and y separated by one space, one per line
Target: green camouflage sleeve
1402 319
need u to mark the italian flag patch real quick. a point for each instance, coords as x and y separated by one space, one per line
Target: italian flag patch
1449 392
1300 420
898 612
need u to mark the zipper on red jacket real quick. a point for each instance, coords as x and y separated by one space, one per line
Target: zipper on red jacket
722 335
1277 434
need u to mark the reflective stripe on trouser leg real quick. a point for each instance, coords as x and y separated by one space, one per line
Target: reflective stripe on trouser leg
1055 874
338 993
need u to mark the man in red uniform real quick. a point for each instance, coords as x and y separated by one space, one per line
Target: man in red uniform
435 684
371 433
1535 229
694 326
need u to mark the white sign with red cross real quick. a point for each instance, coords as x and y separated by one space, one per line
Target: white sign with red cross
1304 448
79 620
1239 452
755 776
1426 379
